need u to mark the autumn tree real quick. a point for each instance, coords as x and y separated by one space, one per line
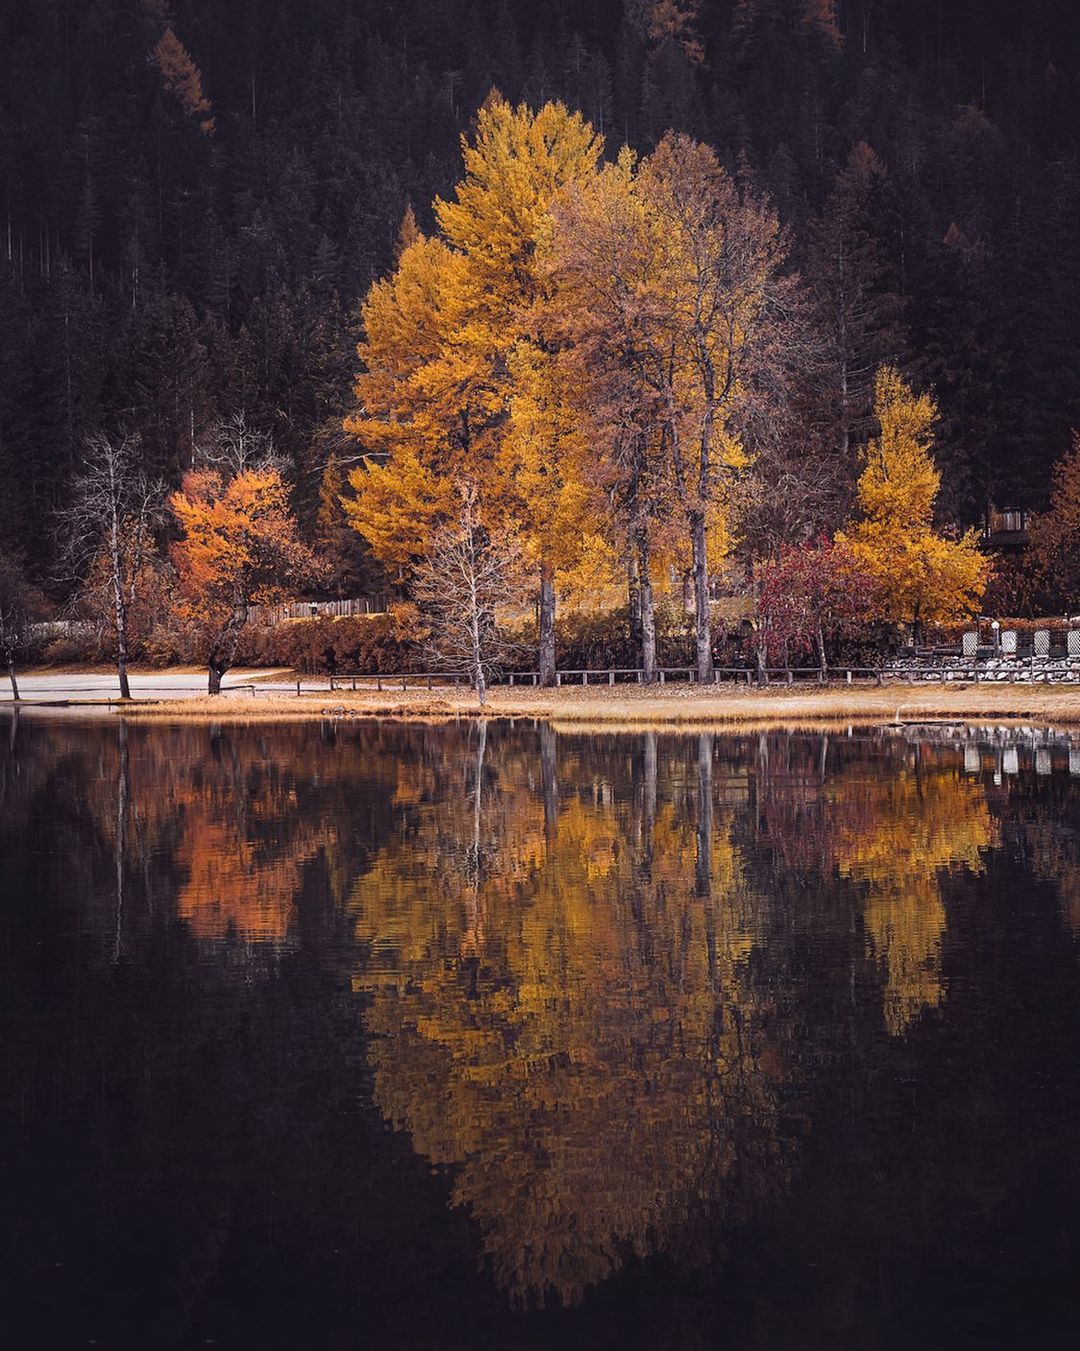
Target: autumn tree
685 272
108 527
920 575
458 384
239 546
20 604
468 574
814 594
180 76
821 18
1055 535
601 254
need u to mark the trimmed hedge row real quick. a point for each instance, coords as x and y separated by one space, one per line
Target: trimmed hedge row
376 644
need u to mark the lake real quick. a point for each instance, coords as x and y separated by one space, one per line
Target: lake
488 1036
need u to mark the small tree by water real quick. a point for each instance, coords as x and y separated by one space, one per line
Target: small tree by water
469 572
20 604
109 523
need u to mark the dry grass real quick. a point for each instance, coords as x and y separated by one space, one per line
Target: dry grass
631 705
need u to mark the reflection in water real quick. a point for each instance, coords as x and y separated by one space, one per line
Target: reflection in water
898 836
562 1009
611 986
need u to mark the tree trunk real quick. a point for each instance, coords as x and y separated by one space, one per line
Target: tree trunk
546 663
701 599
762 658
633 590
119 606
14 682
223 653
822 666
647 608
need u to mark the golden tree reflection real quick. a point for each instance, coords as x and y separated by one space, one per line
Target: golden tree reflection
896 831
563 1012
898 835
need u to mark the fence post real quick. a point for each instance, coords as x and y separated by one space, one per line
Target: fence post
791 677
584 677
661 675
378 683
558 678
611 677
429 680
298 689
849 677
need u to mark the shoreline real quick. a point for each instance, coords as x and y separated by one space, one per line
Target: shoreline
603 706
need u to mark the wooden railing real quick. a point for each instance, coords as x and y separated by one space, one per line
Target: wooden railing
1030 670
610 675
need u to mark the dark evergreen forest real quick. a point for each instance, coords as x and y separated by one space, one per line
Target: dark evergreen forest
186 233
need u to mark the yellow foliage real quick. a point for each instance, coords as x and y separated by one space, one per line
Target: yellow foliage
920 575
568 988
457 384
900 482
897 835
397 506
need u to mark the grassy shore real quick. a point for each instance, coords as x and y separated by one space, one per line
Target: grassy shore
683 706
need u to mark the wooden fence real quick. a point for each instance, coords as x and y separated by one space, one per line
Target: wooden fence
267 615
599 676
1026 673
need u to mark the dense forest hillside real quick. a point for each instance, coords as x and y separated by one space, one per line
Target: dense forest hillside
195 194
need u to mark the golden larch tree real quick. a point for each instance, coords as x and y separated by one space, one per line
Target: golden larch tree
458 385
921 575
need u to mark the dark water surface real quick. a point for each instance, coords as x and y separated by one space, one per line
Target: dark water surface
478 1038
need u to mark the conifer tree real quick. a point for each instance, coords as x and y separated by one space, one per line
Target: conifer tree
921 575
458 384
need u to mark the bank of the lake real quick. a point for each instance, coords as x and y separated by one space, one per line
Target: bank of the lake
635 705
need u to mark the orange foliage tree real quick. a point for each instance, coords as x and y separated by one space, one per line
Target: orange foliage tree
182 79
1056 533
240 546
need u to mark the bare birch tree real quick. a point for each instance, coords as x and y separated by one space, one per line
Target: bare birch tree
467 575
110 521
230 446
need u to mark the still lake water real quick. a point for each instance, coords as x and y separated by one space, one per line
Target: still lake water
487 1037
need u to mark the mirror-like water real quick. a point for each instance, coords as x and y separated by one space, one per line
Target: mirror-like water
484 1036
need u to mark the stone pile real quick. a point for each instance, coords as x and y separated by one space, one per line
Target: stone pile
1007 669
